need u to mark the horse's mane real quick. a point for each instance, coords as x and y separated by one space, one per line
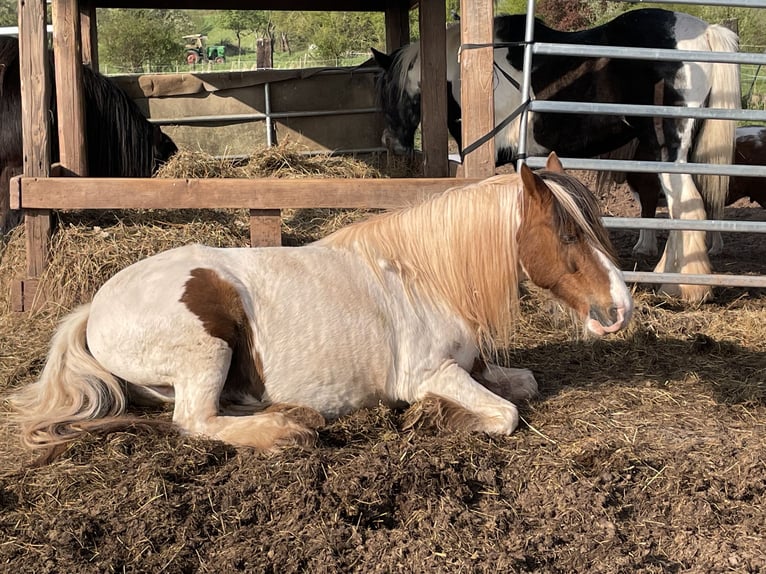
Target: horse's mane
119 137
459 248
577 204
405 58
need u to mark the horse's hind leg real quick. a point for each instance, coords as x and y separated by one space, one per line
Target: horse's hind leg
197 394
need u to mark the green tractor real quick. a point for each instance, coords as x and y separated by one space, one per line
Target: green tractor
197 50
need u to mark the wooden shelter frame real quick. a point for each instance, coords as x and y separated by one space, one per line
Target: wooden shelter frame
75 41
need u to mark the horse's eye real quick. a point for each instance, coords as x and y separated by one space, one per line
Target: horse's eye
569 238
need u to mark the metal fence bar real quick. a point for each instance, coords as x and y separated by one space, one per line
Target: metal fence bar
736 4
665 54
653 166
190 120
557 106
728 225
695 279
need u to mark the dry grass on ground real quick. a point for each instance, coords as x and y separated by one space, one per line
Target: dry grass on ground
644 453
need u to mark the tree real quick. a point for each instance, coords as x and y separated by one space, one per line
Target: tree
336 33
242 22
9 13
132 39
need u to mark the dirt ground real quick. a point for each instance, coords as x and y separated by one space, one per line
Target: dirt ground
645 452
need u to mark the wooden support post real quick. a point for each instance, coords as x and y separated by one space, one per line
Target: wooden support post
35 125
265 227
476 87
89 35
69 92
433 99
397 24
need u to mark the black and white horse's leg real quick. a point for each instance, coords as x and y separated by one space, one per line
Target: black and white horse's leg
685 250
647 188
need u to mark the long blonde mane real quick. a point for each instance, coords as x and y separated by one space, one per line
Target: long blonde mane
458 248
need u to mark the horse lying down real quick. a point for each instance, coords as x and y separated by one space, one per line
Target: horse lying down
258 347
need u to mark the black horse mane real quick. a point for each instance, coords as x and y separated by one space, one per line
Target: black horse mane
121 141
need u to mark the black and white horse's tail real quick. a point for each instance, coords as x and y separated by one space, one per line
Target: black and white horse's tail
716 139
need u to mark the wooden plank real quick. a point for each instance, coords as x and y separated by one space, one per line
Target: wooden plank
69 91
23 294
89 34
286 5
476 87
265 227
397 24
266 193
433 99
35 125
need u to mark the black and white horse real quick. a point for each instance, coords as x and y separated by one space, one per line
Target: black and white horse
121 141
604 80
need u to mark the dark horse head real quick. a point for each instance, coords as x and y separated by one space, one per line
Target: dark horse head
399 92
121 141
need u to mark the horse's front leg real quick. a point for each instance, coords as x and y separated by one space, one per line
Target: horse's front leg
509 383
451 398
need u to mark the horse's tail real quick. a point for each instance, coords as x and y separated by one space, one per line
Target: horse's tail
717 138
73 390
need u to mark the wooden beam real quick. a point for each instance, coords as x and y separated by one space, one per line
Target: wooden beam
284 5
476 87
265 227
89 33
266 193
433 85
397 24
35 124
70 103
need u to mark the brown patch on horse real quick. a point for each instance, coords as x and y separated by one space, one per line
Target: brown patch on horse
218 305
555 256
441 413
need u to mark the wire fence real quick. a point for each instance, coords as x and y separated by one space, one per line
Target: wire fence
238 64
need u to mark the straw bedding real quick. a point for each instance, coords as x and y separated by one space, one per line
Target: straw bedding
644 453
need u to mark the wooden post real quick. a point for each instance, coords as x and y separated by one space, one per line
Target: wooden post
89 34
397 24
433 99
70 103
265 227
35 125
476 87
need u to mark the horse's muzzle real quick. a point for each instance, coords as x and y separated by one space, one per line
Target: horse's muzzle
603 321
392 144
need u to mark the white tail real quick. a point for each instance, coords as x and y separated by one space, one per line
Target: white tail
73 388
717 138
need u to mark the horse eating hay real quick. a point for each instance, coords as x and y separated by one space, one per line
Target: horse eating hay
397 309
121 141
603 80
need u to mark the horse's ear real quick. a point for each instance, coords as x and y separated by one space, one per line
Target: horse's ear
533 184
553 163
383 60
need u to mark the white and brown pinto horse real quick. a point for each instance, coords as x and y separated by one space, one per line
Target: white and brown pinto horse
602 80
257 347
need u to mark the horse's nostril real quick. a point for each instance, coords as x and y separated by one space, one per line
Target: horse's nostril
606 317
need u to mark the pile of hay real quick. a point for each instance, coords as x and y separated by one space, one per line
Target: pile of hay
287 160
